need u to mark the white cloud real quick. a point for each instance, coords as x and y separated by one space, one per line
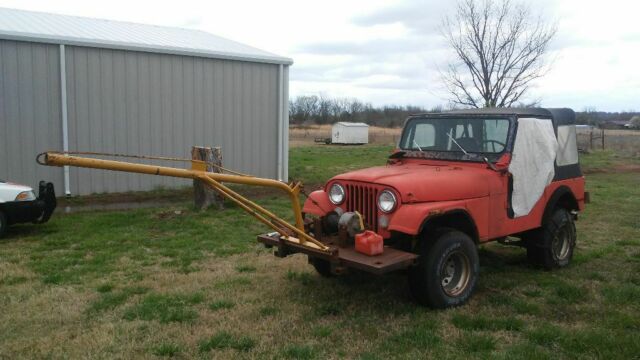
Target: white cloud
388 51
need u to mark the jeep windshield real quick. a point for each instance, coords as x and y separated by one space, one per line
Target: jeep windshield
464 138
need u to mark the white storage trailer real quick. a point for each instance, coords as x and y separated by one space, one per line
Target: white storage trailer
350 133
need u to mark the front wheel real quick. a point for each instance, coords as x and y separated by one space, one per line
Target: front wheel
323 267
447 271
3 224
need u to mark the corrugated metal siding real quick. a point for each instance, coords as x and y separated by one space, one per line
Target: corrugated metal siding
30 119
156 104
132 103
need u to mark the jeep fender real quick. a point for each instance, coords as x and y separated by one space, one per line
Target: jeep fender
318 204
412 218
562 196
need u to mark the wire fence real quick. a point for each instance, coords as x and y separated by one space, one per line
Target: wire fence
621 141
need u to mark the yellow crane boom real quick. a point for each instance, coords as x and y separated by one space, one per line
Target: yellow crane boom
288 232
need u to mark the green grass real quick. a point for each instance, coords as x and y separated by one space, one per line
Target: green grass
167 350
104 288
165 308
300 352
246 268
315 164
221 304
481 322
606 160
477 343
150 282
225 340
13 280
110 300
269 311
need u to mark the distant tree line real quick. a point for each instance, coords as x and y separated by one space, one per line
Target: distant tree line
591 116
313 109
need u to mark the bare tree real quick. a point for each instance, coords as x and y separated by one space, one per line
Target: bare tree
499 46
324 109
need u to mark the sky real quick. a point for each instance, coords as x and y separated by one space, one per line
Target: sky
389 52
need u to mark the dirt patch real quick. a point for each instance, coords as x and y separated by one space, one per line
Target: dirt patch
170 214
615 169
168 195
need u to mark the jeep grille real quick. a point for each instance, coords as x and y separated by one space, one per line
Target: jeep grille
363 198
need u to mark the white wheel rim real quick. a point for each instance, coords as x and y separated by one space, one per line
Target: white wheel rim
455 273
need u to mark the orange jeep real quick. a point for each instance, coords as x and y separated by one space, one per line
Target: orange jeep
457 180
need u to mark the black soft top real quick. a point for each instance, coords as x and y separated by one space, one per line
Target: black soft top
559 116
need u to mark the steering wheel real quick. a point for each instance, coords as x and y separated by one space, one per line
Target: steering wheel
493 143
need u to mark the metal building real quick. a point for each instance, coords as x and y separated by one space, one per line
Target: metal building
80 84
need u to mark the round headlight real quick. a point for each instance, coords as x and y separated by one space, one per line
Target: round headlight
336 194
386 201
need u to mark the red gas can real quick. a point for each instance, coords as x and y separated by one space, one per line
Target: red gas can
369 243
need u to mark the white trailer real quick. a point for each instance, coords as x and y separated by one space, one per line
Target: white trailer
350 133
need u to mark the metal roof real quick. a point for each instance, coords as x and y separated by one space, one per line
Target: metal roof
73 30
352 124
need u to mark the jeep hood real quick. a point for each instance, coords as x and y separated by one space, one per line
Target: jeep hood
420 183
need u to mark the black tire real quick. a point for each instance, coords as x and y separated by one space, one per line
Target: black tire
551 246
3 224
323 267
447 271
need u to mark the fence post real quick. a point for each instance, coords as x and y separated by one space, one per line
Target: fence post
204 196
602 134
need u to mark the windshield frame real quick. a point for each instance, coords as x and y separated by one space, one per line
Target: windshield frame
457 154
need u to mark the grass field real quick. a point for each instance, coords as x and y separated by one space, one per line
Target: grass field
305 135
169 281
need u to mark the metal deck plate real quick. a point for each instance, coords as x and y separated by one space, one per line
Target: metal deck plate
391 259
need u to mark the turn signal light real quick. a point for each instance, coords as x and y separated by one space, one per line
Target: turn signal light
26 196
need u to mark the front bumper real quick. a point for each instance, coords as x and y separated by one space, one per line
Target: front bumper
37 211
344 256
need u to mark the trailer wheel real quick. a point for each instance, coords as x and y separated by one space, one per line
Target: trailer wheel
447 271
3 224
323 267
551 246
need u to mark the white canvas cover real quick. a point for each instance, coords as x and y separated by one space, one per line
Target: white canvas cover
532 163
567 145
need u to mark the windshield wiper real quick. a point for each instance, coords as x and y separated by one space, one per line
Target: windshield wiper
484 158
458 145
418 146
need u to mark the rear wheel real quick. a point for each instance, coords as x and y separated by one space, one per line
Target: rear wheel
3 224
552 245
447 270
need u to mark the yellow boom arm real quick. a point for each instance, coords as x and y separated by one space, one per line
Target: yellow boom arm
289 232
